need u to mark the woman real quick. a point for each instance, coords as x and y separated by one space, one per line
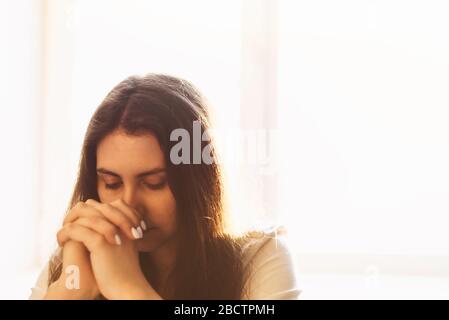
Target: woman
142 226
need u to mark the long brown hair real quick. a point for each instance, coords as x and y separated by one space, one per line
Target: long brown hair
208 264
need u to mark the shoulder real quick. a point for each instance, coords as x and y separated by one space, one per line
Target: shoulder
40 288
257 244
269 265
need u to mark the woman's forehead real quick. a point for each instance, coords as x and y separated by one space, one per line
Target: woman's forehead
138 153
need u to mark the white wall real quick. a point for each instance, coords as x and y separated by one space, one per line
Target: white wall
20 80
363 100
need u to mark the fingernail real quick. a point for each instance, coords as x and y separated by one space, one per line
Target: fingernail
143 224
140 232
117 239
135 233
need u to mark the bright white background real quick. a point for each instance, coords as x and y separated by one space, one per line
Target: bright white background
355 90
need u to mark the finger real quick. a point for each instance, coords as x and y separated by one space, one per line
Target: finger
86 210
79 210
131 229
130 212
72 231
103 226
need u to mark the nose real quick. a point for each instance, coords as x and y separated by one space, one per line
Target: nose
130 196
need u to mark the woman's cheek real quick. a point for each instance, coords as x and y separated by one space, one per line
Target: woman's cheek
104 196
164 211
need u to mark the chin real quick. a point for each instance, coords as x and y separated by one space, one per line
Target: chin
146 247
152 239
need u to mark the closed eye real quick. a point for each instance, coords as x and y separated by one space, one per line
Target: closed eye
155 186
112 186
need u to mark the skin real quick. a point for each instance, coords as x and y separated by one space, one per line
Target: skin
132 186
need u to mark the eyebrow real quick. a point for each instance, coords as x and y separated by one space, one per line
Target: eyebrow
142 174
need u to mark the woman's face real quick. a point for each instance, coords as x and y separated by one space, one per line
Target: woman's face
132 168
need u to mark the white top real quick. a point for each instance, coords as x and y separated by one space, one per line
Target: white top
270 271
269 268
